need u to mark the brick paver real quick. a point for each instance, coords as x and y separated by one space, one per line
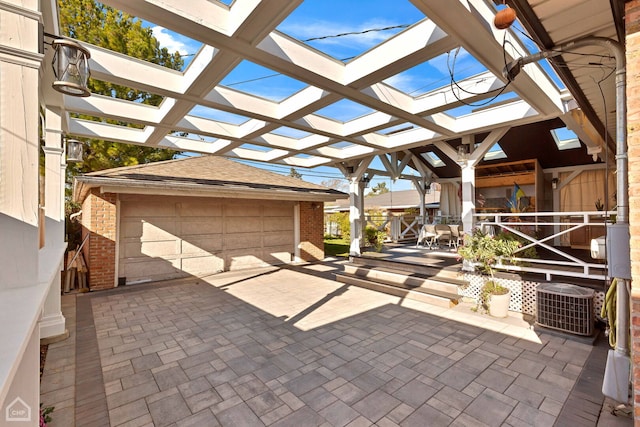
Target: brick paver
285 348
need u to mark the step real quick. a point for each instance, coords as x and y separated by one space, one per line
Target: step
450 274
403 279
440 299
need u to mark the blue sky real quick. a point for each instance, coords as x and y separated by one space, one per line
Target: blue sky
322 20
319 18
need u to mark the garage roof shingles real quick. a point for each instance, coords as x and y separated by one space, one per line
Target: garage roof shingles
212 174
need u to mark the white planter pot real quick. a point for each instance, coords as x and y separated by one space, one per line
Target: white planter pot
468 266
499 304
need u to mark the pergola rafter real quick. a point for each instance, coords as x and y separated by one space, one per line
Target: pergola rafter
246 31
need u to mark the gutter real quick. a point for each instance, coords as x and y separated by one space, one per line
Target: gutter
83 184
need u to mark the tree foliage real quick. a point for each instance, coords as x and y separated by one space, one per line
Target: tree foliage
294 173
101 25
380 188
342 219
339 184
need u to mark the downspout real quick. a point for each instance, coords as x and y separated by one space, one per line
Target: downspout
618 365
622 179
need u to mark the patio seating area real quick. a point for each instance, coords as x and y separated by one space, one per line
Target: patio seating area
290 346
434 236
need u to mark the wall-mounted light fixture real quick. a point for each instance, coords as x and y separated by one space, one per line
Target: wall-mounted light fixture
427 187
70 67
554 183
74 150
366 180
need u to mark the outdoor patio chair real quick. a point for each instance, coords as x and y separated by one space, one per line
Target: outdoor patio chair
427 235
443 233
456 236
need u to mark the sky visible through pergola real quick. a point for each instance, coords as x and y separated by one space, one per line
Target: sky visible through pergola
343 31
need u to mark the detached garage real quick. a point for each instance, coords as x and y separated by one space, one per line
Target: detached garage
194 217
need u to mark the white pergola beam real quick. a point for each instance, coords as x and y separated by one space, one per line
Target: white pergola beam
246 31
414 46
494 136
482 40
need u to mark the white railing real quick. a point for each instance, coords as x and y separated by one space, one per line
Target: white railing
403 227
398 227
549 232
552 232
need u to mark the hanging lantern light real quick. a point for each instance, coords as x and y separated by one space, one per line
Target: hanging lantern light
504 18
463 156
70 67
74 150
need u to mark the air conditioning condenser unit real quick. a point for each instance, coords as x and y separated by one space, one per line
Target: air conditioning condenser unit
565 307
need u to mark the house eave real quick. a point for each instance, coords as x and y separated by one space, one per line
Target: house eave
126 186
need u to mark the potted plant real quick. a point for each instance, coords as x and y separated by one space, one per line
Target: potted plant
375 237
484 251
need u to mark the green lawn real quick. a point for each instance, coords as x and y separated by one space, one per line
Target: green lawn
336 247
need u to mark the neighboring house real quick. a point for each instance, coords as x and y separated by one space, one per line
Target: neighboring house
399 207
195 216
393 201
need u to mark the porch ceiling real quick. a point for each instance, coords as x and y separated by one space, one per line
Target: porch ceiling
398 120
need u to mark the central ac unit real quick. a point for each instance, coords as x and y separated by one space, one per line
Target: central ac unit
565 307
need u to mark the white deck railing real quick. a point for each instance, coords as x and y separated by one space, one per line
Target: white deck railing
548 230
399 227
551 231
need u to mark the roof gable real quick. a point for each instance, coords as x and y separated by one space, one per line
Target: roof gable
207 175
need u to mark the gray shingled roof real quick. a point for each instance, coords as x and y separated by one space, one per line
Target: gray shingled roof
392 200
204 175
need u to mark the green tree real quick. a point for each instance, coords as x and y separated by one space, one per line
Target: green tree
342 219
101 25
380 188
294 173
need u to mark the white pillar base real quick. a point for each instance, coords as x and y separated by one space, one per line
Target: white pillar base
52 326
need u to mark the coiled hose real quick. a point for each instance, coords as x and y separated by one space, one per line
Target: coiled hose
609 311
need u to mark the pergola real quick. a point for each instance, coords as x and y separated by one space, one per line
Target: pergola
400 128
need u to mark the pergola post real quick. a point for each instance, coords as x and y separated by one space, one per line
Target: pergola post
52 322
356 215
354 173
468 198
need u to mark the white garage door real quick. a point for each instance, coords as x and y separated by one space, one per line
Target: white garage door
169 237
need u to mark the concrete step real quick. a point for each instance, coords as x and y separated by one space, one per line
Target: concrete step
440 299
449 274
403 279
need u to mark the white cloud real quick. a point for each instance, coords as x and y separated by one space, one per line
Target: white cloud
344 110
171 41
403 82
460 61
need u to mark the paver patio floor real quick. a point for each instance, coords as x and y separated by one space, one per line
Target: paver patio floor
281 347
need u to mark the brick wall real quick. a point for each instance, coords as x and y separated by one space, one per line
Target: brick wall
311 231
99 220
632 18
